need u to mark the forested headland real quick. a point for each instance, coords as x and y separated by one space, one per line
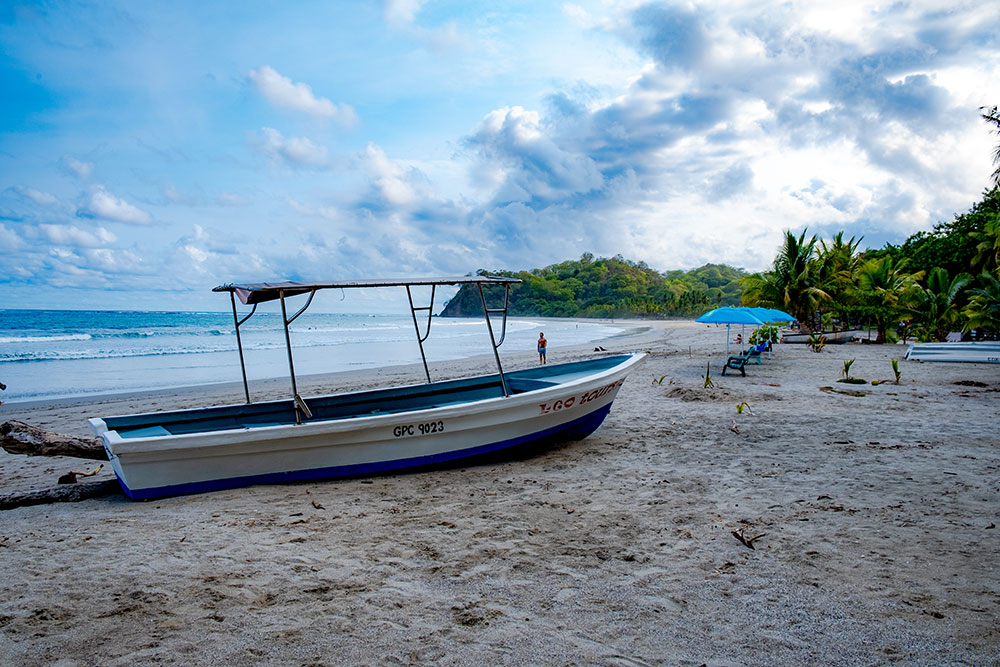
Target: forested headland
608 287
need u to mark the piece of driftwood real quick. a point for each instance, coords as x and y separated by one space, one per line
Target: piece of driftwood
70 477
16 437
66 493
744 540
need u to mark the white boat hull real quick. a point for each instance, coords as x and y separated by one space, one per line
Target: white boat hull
173 464
831 337
987 352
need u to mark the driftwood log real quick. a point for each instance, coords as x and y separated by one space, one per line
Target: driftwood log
16 437
65 493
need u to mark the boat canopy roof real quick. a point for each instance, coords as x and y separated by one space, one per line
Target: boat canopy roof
253 293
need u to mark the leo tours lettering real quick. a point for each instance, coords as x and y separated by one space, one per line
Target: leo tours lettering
556 406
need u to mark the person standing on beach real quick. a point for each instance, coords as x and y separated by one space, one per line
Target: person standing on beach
542 343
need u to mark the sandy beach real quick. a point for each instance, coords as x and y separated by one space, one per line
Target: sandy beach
877 515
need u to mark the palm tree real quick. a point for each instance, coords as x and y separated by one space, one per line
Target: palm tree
836 266
761 289
880 284
790 284
934 308
983 310
987 257
992 115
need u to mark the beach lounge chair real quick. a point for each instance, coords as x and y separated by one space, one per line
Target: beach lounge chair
756 352
738 362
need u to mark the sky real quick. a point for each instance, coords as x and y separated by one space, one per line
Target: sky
152 150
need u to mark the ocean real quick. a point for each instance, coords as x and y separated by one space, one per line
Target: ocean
47 354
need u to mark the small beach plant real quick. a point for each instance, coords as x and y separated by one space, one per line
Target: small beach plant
846 372
708 376
895 371
741 406
817 342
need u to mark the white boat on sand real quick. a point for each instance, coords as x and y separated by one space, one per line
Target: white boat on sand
189 451
984 352
830 337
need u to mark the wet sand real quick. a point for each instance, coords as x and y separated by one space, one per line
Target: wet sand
878 514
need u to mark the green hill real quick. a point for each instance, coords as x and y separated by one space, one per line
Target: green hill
608 287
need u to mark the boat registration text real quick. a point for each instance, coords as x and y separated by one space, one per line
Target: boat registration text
424 428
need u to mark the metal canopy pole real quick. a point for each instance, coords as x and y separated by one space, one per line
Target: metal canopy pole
503 334
416 327
239 342
300 405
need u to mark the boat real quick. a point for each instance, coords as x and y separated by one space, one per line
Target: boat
179 452
832 337
981 352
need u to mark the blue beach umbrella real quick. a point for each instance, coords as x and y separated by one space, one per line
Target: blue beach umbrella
728 315
770 314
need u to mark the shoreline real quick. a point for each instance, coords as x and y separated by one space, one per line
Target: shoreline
879 517
220 393
630 330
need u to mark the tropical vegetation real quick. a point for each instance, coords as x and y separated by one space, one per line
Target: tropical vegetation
936 282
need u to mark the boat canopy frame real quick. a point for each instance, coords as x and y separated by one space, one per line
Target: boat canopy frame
253 294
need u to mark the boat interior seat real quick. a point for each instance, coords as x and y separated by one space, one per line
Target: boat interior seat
145 432
521 385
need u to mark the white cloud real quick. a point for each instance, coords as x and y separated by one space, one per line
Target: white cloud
299 207
325 212
110 261
402 15
175 196
195 253
395 185
74 236
102 204
231 199
539 165
82 170
37 196
402 12
294 151
578 14
9 240
283 92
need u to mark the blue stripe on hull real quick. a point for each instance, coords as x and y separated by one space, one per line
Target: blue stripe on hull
575 430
